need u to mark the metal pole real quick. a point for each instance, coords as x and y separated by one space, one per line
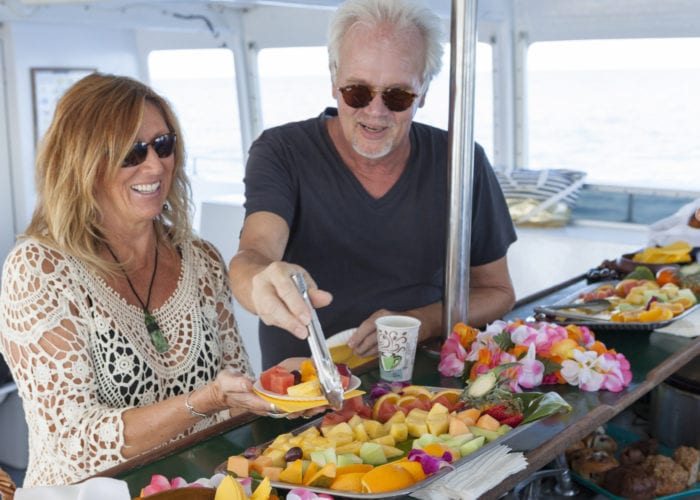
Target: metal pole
461 162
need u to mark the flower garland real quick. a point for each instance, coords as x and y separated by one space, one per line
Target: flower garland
545 353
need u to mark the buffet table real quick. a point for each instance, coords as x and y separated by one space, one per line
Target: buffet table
653 357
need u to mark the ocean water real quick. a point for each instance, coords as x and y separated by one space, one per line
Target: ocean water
629 127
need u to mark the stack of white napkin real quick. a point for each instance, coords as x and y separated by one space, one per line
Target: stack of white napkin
473 479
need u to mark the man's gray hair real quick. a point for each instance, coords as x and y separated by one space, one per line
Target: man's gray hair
402 14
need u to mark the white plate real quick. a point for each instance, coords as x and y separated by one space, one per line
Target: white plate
340 338
354 384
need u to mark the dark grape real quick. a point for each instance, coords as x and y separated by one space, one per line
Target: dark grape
297 376
252 452
293 453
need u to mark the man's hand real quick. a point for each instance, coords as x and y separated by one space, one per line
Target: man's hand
278 302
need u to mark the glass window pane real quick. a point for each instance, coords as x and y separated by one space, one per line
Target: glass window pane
201 86
625 111
295 85
436 111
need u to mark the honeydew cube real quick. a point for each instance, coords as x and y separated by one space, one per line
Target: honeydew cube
325 456
472 445
348 459
372 453
489 435
503 428
424 440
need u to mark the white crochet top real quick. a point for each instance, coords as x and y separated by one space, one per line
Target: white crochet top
74 398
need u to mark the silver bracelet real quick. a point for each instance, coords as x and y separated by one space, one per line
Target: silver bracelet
191 409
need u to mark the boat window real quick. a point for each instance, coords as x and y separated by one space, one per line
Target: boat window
624 111
302 72
201 86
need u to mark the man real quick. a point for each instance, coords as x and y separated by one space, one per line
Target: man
356 199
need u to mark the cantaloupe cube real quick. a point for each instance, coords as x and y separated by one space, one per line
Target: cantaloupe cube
487 422
469 416
239 465
260 462
272 473
457 427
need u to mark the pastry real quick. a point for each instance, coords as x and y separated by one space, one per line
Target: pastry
688 458
638 451
593 464
630 481
670 477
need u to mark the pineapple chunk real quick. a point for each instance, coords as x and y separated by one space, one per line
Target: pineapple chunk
305 389
374 429
360 432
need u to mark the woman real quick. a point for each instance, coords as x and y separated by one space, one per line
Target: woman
117 322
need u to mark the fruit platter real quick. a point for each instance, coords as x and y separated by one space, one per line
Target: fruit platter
395 440
641 300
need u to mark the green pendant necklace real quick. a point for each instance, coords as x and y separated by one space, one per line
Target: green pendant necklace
157 338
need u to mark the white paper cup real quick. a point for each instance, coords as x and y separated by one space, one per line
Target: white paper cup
397 338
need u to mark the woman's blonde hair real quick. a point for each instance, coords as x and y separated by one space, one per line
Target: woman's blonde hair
94 127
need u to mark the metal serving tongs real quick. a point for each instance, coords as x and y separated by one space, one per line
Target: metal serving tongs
326 370
568 311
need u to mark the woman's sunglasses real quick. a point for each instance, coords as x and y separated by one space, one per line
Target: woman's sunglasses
163 145
359 96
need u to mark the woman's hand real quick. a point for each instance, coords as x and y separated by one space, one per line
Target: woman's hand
235 391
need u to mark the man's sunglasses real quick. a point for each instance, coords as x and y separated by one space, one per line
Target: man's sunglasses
359 96
163 145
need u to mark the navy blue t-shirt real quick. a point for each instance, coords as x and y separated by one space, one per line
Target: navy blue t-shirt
369 253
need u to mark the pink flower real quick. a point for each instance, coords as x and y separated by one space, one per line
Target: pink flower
617 372
531 370
452 357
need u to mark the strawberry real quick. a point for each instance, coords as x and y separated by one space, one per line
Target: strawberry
513 420
505 414
498 411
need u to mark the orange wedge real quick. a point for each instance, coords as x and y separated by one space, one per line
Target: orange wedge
347 469
390 397
452 395
418 391
352 481
406 400
414 468
386 477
